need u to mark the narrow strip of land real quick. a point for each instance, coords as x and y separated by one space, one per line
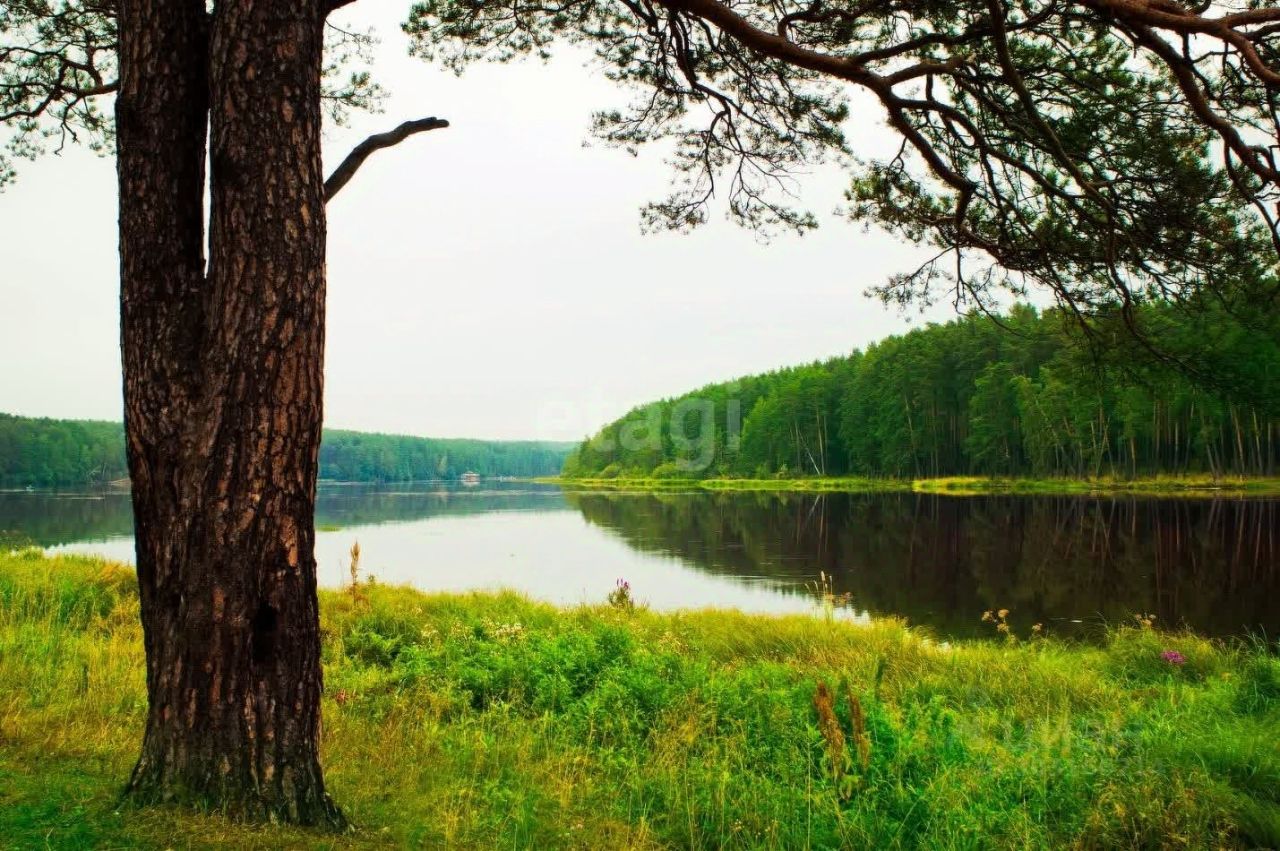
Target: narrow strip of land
1186 486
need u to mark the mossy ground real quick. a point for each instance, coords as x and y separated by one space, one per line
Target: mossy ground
490 720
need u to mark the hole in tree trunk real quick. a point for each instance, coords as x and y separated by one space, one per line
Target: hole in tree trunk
264 634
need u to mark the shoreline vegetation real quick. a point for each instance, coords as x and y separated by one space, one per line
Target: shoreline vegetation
1185 486
489 720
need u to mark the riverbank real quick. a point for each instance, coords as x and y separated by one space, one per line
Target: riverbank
1205 486
809 485
488 720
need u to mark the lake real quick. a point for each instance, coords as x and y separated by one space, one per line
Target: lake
1070 563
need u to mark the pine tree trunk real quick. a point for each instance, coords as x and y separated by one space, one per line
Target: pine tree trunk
223 391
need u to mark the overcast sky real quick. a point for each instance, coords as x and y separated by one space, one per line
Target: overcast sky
488 280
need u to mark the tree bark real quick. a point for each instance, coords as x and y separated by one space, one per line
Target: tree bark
223 393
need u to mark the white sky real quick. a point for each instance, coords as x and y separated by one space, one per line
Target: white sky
489 280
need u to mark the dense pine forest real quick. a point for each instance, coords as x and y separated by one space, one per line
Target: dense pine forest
46 452
1019 395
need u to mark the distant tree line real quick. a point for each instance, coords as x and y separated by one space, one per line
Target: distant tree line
47 452
1013 395
60 452
360 457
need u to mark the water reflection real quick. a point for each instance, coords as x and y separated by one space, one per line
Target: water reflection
936 560
49 518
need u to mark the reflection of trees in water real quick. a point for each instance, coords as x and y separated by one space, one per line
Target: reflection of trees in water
1185 561
51 518
941 561
48 519
355 506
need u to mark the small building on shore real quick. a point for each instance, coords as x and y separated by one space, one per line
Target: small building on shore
470 478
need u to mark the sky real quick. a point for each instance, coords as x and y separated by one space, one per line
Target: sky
487 280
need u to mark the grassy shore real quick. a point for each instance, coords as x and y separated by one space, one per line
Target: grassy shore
814 484
1199 485
1149 486
490 721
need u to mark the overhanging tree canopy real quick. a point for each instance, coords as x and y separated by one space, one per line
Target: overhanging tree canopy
1107 151
58 60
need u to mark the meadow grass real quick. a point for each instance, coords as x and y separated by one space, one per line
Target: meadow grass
1183 485
489 720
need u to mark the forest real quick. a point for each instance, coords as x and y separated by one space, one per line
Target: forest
1014 395
60 452
354 456
49 453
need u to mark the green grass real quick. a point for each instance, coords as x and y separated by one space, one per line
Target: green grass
492 721
815 484
1190 485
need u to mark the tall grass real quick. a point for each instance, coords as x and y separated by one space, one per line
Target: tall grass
488 720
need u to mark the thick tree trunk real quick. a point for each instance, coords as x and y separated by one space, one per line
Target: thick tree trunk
223 387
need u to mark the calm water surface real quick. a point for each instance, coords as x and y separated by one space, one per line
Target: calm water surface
1073 563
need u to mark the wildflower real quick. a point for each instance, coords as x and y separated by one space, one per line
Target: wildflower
620 597
508 631
1173 657
1002 614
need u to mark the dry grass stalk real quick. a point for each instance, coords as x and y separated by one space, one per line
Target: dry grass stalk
829 725
858 719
